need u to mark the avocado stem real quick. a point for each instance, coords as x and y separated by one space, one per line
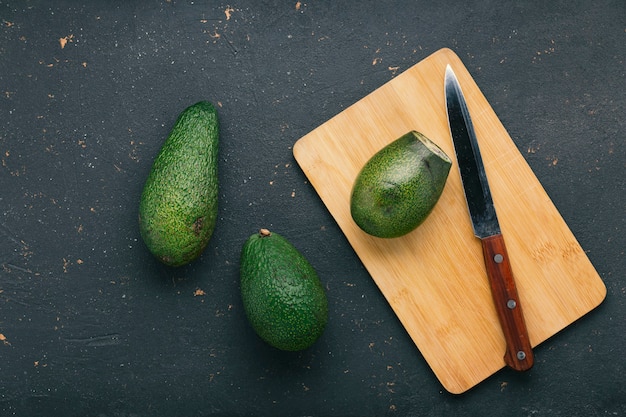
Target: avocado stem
265 233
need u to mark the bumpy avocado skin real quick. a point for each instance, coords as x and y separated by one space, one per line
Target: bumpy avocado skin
399 186
282 295
179 201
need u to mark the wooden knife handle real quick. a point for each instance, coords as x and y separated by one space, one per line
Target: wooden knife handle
519 354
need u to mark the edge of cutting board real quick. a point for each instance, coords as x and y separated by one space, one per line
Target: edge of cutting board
434 277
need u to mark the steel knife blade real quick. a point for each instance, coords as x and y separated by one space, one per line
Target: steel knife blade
518 354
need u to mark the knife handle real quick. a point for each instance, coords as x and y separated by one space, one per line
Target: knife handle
519 354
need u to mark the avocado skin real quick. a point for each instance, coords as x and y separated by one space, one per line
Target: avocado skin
178 206
398 187
282 295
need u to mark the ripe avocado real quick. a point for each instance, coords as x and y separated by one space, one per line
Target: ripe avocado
398 187
178 206
282 295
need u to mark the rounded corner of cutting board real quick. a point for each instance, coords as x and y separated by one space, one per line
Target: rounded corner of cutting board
448 52
446 56
459 386
454 387
602 294
296 148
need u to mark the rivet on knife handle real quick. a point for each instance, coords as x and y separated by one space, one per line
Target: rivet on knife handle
519 354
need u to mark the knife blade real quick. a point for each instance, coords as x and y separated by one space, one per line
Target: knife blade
518 354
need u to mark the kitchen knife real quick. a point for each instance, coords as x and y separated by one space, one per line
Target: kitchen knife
518 354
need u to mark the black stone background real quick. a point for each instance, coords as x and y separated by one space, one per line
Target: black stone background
92 325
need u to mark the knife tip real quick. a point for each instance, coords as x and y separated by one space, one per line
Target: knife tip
450 82
449 72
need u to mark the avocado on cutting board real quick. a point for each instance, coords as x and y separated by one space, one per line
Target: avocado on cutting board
434 277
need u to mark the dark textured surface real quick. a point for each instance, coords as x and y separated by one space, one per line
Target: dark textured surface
92 325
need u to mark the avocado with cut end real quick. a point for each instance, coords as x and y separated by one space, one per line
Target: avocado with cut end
399 186
178 206
282 295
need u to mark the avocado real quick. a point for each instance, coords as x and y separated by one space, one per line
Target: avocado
282 295
178 206
399 186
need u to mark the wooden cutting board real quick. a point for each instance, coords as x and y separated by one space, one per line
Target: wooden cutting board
434 277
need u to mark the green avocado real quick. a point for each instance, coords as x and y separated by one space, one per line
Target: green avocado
178 206
282 295
399 186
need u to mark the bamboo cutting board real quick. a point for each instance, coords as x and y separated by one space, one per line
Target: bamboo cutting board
434 277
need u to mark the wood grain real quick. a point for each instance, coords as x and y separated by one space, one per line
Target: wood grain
434 278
